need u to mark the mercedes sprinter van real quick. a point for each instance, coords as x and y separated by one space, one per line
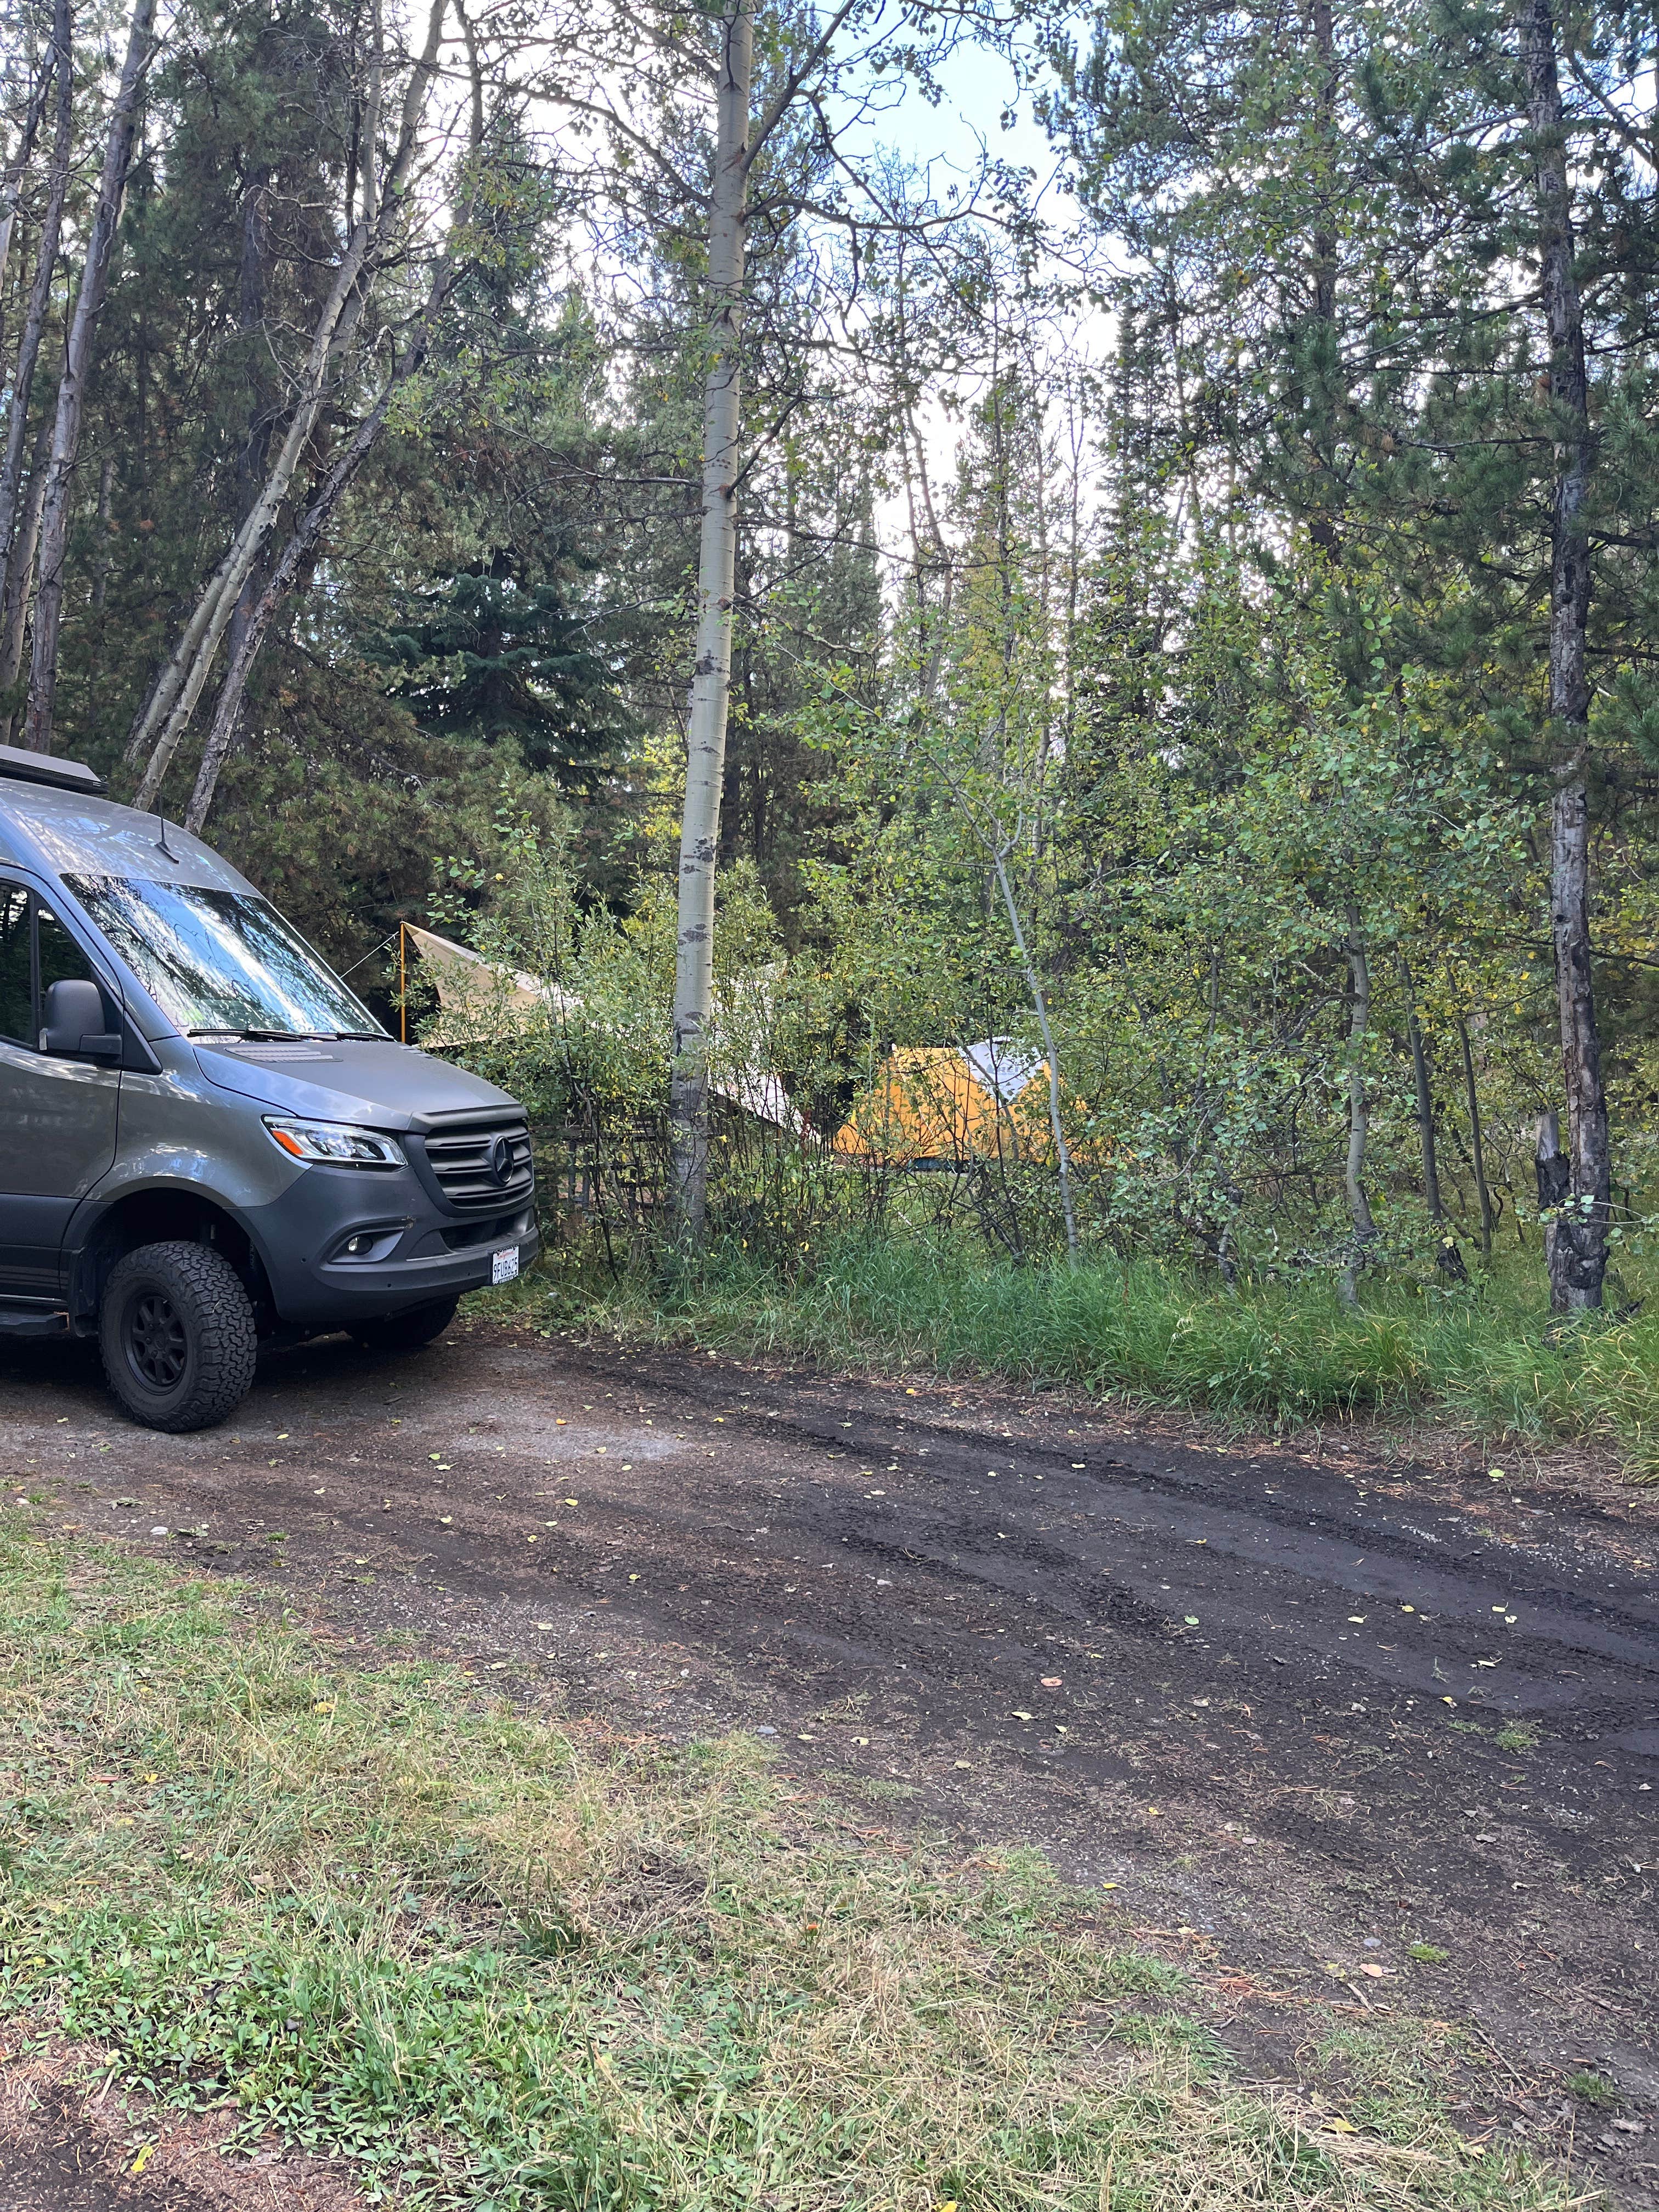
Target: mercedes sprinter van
206 1140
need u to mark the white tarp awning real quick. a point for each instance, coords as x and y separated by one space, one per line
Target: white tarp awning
480 1001
1002 1066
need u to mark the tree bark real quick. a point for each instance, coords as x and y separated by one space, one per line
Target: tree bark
1477 1136
255 609
20 576
72 388
172 697
688 1086
250 631
1554 1172
18 164
253 457
249 634
1447 1257
1579 1249
1325 529
1424 1090
40 300
1363 1228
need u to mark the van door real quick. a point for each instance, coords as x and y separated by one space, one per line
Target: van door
57 1117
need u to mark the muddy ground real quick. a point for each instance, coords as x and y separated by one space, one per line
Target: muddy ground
1305 1707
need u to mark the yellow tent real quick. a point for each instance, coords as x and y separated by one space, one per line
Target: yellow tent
955 1102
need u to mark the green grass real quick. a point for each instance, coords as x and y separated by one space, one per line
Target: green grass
1518 1735
495 1964
1594 2089
1277 1354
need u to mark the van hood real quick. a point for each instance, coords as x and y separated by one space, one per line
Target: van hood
383 1085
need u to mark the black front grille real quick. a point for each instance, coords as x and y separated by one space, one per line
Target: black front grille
501 1228
463 1160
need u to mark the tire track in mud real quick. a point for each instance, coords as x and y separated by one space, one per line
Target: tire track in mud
1290 1707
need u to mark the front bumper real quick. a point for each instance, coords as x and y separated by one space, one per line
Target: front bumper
411 1249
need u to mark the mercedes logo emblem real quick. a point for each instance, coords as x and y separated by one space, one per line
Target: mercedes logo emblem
501 1160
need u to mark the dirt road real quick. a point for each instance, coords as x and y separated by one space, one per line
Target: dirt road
1305 1711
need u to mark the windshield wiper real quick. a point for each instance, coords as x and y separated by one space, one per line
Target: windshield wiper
360 1036
259 1036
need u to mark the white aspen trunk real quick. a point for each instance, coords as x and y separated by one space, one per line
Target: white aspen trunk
173 695
20 160
72 388
1577 1249
19 575
371 139
172 698
711 684
256 608
251 632
40 300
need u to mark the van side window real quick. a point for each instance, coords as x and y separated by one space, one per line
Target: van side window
60 955
16 981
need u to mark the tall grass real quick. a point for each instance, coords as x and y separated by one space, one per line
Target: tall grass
1275 1352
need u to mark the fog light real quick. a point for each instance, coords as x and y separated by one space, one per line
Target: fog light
354 1245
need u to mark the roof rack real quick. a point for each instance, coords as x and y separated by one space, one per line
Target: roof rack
21 767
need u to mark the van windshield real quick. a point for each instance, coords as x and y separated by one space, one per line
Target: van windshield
222 963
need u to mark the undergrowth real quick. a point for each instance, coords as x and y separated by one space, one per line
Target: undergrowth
1488 1356
498 1965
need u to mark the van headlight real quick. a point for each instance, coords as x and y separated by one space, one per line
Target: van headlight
337 1143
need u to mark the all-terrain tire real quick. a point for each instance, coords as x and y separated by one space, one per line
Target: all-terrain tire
409 1330
178 1335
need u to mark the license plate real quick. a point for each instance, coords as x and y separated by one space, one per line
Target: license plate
504 1266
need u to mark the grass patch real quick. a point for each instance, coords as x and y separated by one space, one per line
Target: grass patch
497 1965
1594 2089
1392 2075
1518 1735
1277 1352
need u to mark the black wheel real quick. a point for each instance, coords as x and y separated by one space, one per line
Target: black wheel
406 1331
178 1336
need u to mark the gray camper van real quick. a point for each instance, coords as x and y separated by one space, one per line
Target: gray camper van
206 1140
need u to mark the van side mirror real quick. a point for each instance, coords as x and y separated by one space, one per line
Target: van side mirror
73 1023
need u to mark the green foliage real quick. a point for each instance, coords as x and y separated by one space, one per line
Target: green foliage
488 654
1209 674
